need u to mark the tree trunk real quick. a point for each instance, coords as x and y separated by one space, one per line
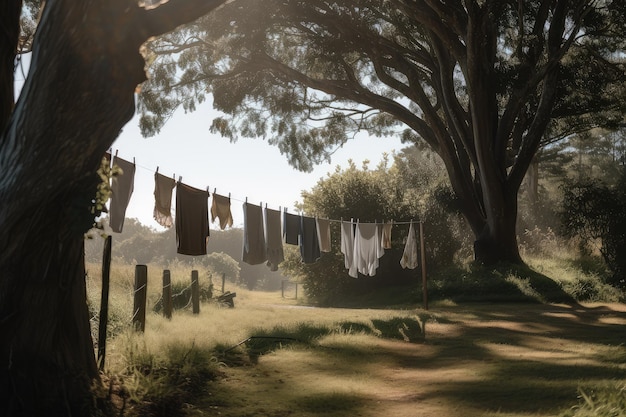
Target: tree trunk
84 70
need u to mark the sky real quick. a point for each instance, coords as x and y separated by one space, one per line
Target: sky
249 169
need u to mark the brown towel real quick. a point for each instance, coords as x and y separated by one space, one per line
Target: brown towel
192 220
121 190
163 187
220 208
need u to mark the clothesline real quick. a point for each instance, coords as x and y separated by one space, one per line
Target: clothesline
280 208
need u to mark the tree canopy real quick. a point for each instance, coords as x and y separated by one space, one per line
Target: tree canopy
482 83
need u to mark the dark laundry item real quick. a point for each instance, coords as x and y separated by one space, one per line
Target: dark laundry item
192 220
309 242
121 190
254 249
163 187
275 252
291 229
220 209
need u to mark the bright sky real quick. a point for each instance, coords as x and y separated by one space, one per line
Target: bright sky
247 169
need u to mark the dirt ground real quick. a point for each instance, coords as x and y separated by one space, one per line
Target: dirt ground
475 360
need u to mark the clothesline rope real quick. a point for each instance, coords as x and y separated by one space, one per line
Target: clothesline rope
280 208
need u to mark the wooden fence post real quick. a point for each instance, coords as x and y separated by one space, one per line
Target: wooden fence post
282 289
141 291
104 302
167 294
223 282
195 292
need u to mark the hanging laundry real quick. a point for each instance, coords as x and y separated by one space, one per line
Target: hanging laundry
386 234
192 220
409 256
323 234
254 248
291 228
275 253
220 209
121 190
309 242
347 245
367 249
163 187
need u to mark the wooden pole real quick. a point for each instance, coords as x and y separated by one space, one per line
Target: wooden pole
167 294
195 292
141 290
296 290
104 303
423 256
223 282
282 289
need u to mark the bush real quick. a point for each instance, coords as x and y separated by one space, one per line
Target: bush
594 211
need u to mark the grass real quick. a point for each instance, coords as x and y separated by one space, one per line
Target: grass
271 356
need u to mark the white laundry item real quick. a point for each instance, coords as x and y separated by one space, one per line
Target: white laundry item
367 248
409 256
347 245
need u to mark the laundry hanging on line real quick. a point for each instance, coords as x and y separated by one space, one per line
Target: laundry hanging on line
361 243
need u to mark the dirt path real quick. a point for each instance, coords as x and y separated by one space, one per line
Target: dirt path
476 360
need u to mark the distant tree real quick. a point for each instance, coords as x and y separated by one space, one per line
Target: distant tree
385 193
483 83
596 213
221 264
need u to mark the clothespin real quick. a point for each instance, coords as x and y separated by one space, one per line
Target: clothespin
116 151
180 178
133 160
214 190
157 170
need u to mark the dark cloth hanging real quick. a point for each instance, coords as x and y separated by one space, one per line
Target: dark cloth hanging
275 252
254 248
121 190
309 242
192 220
291 228
163 187
220 209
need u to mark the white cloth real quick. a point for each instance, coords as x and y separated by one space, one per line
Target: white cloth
347 243
367 249
409 256
386 234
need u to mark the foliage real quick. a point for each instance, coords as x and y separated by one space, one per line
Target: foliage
160 384
414 187
483 84
596 212
601 400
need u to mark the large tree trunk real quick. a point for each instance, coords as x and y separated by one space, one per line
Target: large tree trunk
79 94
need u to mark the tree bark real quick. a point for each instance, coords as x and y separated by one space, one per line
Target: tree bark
84 70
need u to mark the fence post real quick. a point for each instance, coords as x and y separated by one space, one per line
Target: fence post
141 290
195 292
104 302
223 281
282 289
296 290
167 294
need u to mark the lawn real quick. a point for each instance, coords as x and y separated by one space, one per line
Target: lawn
471 359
